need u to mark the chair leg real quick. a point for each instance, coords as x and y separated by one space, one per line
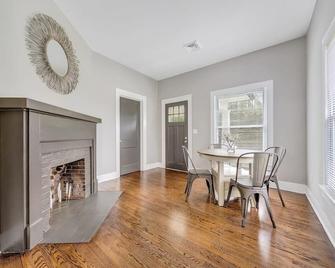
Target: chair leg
186 186
228 195
208 186
267 203
187 182
279 192
189 188
257 200
244 208
213 190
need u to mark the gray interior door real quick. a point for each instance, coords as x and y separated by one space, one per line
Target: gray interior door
130 152
176 122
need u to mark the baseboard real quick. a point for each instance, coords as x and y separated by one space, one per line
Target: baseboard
108 177
153 165
291 187
329 229
115 174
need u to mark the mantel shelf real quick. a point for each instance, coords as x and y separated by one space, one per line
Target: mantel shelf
30 104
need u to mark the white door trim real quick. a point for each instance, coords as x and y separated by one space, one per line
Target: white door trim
143 126
187 98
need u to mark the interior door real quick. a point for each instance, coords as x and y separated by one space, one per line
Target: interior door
176 127
130 152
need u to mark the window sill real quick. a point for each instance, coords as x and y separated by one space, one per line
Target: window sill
328 193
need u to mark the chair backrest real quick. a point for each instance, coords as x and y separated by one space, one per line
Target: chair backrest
259 164
188 157
281 152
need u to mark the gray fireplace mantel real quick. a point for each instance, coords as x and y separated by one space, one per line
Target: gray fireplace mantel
29 128
37 106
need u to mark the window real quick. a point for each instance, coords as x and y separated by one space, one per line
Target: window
243 112
329 46
176 114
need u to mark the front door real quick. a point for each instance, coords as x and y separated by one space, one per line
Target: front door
130 152
176 126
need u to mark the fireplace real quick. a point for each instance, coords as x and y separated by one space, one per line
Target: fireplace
48 159
66 176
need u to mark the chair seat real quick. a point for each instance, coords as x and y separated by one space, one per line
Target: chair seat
200 172
244 181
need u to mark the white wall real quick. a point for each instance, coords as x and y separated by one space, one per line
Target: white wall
285 64
325 208
98 79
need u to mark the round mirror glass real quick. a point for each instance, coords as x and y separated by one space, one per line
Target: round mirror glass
57 58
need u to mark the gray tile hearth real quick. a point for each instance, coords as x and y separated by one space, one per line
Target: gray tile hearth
79 220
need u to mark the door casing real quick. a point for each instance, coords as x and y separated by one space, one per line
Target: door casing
143 125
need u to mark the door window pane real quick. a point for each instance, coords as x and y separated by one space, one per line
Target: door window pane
181 118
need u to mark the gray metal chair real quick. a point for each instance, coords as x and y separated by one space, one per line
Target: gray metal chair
281 152
253 185
193 174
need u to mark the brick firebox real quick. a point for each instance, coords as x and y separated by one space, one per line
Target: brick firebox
67 182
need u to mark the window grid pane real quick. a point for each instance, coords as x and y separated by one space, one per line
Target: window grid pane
241 115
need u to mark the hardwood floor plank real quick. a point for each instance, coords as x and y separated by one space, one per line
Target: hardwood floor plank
152 226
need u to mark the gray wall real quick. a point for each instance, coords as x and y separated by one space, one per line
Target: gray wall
323 15
285 64
98 79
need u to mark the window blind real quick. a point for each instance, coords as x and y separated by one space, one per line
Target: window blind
330 117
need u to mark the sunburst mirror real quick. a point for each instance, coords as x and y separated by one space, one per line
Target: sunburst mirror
52 54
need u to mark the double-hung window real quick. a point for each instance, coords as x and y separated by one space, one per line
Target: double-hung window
245 113
329 56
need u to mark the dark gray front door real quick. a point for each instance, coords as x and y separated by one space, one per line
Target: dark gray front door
130 152
176 134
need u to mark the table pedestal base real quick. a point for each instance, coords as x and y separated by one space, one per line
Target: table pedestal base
221 183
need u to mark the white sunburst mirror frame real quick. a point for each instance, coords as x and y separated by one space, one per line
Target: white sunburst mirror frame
43 31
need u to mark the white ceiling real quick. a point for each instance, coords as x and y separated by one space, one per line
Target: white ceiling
148 35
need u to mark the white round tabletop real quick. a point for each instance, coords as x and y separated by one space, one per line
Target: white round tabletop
222 153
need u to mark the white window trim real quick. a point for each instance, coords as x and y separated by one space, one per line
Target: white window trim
268 107
328 40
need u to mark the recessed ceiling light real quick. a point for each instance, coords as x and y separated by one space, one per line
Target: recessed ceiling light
192 46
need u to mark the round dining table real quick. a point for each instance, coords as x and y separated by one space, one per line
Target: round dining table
223 167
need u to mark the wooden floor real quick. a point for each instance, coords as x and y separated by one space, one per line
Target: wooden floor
152 226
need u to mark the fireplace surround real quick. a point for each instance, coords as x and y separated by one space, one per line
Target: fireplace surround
35 139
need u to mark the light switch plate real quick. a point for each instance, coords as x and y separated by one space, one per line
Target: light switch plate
195 131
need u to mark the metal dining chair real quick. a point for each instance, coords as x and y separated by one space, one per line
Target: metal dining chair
281 152
194 173
253 185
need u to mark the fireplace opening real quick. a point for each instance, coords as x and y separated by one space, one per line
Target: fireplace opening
67 183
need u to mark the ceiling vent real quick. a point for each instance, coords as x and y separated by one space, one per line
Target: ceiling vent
192 46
